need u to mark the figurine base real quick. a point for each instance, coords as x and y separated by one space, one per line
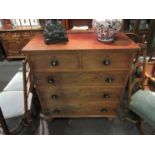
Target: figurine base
55 41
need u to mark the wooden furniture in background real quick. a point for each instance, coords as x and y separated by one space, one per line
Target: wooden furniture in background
13 40
15 37
142 101
81 78
138 26
138 29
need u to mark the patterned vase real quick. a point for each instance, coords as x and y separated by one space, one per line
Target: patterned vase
106 29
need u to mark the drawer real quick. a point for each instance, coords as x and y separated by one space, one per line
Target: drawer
13 46
106 60
53 61
77 110
63 96
106 78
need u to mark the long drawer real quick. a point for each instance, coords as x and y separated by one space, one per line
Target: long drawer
81 110
106 78
55 61
63 96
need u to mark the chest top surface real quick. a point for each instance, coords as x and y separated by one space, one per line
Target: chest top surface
79 41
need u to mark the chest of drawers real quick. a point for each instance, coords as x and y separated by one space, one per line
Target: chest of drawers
83 77
14 40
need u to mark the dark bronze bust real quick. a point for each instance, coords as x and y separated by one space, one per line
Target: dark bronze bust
54 32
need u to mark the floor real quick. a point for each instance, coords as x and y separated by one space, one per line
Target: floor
7 70
82 126
93 126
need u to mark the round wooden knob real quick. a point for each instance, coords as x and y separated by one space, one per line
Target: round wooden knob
54 96
106 61
51 80
109 79
104 110
54 62
106 95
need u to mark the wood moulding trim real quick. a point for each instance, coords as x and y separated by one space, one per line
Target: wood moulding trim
83 87
78 70
15 57
110 115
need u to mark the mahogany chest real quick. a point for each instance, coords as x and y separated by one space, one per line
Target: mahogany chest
83 77
14 40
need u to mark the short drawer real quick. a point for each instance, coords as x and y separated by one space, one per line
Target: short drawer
106 60
55 61
106 78
64 96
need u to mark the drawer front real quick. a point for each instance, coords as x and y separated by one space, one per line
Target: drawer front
105 78
13 47
63 96
54 61
81 110
106 60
